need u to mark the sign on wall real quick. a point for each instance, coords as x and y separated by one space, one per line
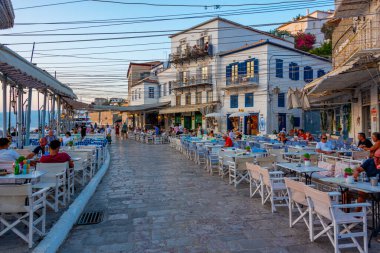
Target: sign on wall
262 123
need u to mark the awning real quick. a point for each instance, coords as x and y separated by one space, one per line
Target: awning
350 8
28 75
76 104
7 15
239 114
187 108
213 115
132 108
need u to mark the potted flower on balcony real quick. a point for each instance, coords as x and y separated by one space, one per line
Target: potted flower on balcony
348 175
248 148
306 158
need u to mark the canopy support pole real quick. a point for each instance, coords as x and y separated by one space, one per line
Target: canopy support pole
19 117
44 115
58 115
52 118
28 117
4 81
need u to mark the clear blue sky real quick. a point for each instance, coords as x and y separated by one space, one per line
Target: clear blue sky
110 81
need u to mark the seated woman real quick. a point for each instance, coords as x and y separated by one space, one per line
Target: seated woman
66 139
376 144
7 154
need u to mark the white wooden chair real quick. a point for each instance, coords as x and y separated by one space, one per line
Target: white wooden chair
336 223
8 165
238 170
213 160
254 180
266 162
360 155
273 188
329 169
55 179
224 161
83 168
18 208
297 202
157 140
278 155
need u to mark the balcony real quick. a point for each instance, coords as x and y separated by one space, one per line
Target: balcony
189 54
350 43
192 82
242 81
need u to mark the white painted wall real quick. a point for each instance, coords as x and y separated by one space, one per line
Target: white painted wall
143 89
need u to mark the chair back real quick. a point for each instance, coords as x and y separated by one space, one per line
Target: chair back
52 170
266 161
253 170
265 176
296 191
13 198
241 162
319 201
339 168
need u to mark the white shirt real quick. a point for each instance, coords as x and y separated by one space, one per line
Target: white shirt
231 135
8 155
65 140
324 146
109 130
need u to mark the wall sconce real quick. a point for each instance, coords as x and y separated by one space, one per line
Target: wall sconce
276 90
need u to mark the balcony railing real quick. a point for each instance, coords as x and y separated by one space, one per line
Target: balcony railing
242 80
191 54
366 37
192 82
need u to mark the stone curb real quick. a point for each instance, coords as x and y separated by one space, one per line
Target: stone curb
61 229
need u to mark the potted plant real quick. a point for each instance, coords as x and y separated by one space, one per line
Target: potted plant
306 158
70 144
348 175
248 148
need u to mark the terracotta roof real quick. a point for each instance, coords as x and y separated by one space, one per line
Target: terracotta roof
229 22
150 64
147 80
303 17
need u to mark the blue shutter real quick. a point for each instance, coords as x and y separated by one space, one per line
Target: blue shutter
209 49
242 68
297 72
279 68
256 68
281 100
234 101
291 71
308 74
248 100
320 73
297 122
228 71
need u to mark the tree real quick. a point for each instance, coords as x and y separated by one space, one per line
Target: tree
304 41
325 50
280 33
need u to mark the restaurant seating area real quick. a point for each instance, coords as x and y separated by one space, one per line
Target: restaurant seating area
294 178
149 137
32 201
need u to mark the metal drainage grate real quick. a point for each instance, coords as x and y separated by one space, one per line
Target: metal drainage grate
89 218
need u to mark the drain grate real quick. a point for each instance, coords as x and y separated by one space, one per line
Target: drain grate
89 218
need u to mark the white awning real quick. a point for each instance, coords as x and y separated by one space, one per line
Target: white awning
28 75
239 114
213 115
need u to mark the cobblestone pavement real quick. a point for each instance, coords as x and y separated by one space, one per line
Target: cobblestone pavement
155 200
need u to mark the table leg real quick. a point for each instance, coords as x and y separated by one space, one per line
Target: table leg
375 218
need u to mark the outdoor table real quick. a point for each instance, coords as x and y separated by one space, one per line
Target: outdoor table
303 148
365 187
307 171
75 159
297 153
35 174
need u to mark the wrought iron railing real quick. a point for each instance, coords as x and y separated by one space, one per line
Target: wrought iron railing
244 80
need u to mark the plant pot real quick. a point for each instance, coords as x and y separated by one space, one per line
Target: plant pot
307 163
350 179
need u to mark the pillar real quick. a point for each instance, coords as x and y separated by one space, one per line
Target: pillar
52 117
4 81
44 115
58 115
28 117
19 117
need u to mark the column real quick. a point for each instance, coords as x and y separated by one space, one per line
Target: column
52 117
19 117
58 115
44 115
28 117
4 81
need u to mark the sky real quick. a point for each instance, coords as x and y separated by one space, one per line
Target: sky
98 68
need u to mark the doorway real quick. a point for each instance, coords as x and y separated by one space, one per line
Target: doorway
187 122
281 121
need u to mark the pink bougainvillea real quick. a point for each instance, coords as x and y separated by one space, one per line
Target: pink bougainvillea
304 41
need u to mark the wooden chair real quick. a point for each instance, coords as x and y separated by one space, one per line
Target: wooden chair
336 223
225 161
83 169
18 206
55 180
254 180
237 170
266 162
278 155
297 202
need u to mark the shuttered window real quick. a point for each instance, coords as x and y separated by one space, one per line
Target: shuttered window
294 71
281 100
248 99
320 72
279 68
308 74
234 101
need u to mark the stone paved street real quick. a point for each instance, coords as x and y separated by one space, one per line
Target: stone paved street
155 200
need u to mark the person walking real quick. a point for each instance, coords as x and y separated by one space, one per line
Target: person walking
124 130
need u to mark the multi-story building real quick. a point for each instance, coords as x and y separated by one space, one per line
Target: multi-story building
350 95
196 63
100 101
310 23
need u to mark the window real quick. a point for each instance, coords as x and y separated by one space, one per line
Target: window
248 99
185 77
170 87
204 73
144 75
198 97
279 68
188 99
133 93
320 72
209 96
151 92
235 72
159 91
294 71
234 101
297 122
308 74
281 100
178 100
250 68
139 93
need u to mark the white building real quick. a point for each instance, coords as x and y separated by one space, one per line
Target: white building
311 23
255 81
116 100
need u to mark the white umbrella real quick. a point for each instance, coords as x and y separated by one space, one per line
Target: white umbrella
293 98
239 114
213 115
305 101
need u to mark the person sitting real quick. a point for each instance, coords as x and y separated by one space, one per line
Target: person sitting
363 141
67 138
50 137
231 134
41 148
55 156
324 147
309 136
228 141
282 138
376 144
7 154
211 134
302 135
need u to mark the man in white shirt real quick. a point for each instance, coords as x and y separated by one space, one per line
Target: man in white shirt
231 134
324 146
5 153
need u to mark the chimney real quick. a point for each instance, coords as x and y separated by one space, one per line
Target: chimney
307 12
